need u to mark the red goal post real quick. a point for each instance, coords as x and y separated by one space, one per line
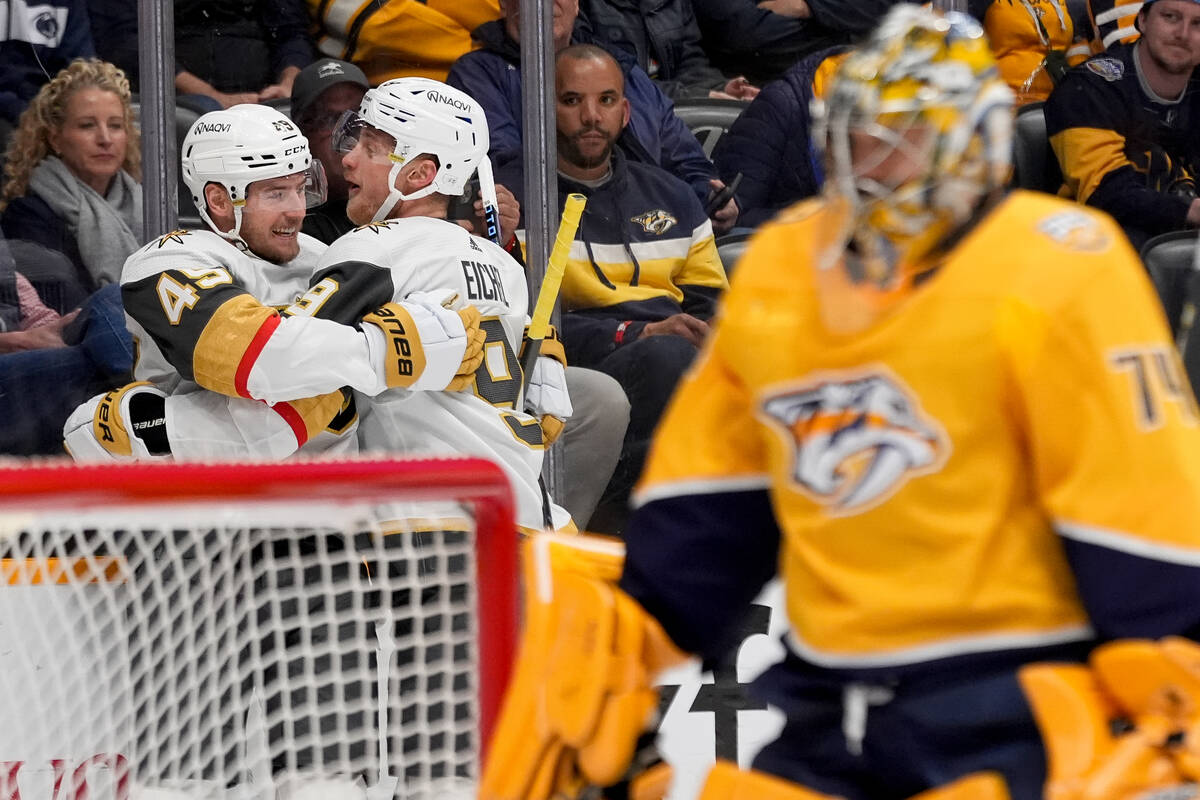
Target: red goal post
239 623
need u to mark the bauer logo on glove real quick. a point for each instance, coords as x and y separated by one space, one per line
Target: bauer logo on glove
126 423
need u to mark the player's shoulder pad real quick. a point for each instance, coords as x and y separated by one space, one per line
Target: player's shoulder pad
310 247
1057 224
179 248
370 240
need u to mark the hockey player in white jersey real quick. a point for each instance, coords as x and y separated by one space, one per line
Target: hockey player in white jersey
414 143
203 307
235 346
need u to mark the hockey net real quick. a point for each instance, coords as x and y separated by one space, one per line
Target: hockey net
296 630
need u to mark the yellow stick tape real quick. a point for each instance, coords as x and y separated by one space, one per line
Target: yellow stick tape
556 266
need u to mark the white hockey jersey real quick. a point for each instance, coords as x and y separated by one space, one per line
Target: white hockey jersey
194 302
387 261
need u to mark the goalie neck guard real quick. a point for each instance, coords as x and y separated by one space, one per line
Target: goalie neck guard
240 145
423 117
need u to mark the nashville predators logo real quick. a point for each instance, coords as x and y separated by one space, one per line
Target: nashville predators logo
856 439
657 221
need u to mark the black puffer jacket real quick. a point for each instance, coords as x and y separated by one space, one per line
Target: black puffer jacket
769 144
743 39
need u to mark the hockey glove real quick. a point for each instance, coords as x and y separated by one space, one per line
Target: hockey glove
129 423
472 358
547 397
581 694
422 343
1126 727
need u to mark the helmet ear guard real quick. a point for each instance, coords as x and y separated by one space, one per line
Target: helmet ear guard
240 145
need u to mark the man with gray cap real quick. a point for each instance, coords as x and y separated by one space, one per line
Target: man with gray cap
321 93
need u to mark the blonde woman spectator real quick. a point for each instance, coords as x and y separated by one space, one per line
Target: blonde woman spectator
71 179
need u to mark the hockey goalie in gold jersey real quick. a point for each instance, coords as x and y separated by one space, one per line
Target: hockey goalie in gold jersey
951 420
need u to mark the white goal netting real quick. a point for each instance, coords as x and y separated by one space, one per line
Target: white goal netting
323 629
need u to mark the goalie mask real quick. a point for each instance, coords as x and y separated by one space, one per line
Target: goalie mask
916 130
240 145
422 117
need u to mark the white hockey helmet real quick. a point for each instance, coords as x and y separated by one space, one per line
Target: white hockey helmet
243 144
424 117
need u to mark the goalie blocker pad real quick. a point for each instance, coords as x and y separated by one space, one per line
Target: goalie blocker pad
1125 725
582 690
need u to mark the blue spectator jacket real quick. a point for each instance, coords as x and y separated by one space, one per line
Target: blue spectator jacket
492 75
664 36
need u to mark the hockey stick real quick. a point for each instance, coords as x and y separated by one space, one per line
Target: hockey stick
551 281
539 322
491 206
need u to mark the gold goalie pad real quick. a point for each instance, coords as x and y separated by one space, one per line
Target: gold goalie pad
726 781
581 693
1125 725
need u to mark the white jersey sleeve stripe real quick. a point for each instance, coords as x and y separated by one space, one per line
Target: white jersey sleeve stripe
1127 543
666 491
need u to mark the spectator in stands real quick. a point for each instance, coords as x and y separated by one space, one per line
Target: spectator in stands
762 39
592 441
1033 41
654 135
36 41
1123 125
639 293
1112 21
666 40
226 51
51 362
71 178
769 143
322 92
402 37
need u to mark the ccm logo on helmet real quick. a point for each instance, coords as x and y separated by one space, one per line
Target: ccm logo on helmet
438 97
211 127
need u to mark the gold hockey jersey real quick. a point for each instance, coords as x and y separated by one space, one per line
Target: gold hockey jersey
1008 459
400 38
1023 35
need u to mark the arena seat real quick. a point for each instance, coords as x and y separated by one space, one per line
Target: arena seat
1170 259
1035 166
708 118
730 248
